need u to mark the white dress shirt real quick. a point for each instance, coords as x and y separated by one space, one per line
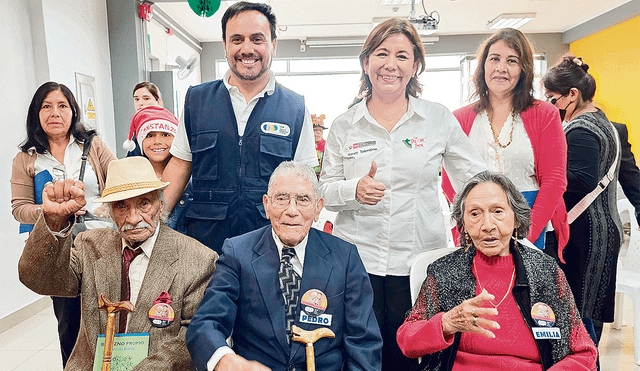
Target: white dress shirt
408 220
297 262
138 268
305 151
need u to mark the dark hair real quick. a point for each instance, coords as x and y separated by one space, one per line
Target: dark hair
522 97
36 137
245 6
378 36
517 202
570 72
153 89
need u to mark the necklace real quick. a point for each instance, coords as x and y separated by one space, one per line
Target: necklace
495 137
513 275
394 119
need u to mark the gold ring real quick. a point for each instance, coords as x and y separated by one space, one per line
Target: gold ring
475 321
473 312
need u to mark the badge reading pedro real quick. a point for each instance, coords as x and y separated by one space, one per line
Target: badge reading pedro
161 314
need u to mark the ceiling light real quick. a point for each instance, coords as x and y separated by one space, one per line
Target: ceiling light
510 20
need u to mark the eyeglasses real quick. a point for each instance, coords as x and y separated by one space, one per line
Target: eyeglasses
303 200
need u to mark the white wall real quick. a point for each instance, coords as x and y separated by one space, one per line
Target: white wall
17 84
77 39
166 48
43 40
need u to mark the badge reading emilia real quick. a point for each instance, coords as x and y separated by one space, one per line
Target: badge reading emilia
275 128
543 316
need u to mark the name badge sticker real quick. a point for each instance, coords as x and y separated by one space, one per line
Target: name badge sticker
323 319
275 128
361 147
546 333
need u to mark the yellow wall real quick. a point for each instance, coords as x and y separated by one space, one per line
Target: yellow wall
613 56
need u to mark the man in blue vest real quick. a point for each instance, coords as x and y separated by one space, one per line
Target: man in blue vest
234 132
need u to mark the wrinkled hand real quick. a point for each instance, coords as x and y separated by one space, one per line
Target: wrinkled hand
234 362
61 200
470 317
368 191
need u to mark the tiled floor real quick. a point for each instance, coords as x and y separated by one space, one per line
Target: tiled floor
32 345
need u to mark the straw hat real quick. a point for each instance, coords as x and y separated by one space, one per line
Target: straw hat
128 178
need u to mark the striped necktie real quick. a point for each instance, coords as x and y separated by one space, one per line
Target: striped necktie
289 285
125 294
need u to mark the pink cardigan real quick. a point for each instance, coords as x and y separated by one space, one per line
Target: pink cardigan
544 128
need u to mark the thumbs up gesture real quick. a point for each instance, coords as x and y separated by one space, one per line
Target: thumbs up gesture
369 191
61 200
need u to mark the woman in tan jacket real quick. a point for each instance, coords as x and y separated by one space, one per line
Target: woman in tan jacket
53 151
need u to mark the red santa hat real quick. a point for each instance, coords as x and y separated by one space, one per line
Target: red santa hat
147 119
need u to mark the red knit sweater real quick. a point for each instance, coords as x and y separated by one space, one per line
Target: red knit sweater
513 348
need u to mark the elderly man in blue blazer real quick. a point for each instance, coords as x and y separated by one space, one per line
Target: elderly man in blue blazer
248 294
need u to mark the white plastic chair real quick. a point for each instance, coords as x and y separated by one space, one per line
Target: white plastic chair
628 278
418 271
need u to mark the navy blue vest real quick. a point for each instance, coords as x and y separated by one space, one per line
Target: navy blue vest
231 173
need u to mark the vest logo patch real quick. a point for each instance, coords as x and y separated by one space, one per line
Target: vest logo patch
275 128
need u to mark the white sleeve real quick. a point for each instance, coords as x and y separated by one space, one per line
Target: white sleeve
180 147
338 192
217 355
306 149
461 160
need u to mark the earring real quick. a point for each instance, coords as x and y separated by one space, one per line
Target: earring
467 239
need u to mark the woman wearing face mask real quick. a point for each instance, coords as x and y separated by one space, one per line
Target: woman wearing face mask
517 135
593 151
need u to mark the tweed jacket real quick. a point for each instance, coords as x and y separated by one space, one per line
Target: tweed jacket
23 206
179 265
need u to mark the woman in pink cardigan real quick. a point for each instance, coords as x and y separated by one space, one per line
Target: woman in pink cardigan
517 135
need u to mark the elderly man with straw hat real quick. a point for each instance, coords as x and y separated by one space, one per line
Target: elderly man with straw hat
144 262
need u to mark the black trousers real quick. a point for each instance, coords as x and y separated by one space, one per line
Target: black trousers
67 311
391 301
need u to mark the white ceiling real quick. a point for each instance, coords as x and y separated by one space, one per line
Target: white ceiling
352 18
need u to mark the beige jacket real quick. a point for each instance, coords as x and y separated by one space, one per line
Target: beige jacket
23 206
179 265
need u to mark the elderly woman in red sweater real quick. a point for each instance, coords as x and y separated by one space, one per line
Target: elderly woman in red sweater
495 304
517 135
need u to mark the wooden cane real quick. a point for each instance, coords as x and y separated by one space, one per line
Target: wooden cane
111 308
308 338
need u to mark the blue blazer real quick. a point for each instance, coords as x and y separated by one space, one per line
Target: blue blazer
243 300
